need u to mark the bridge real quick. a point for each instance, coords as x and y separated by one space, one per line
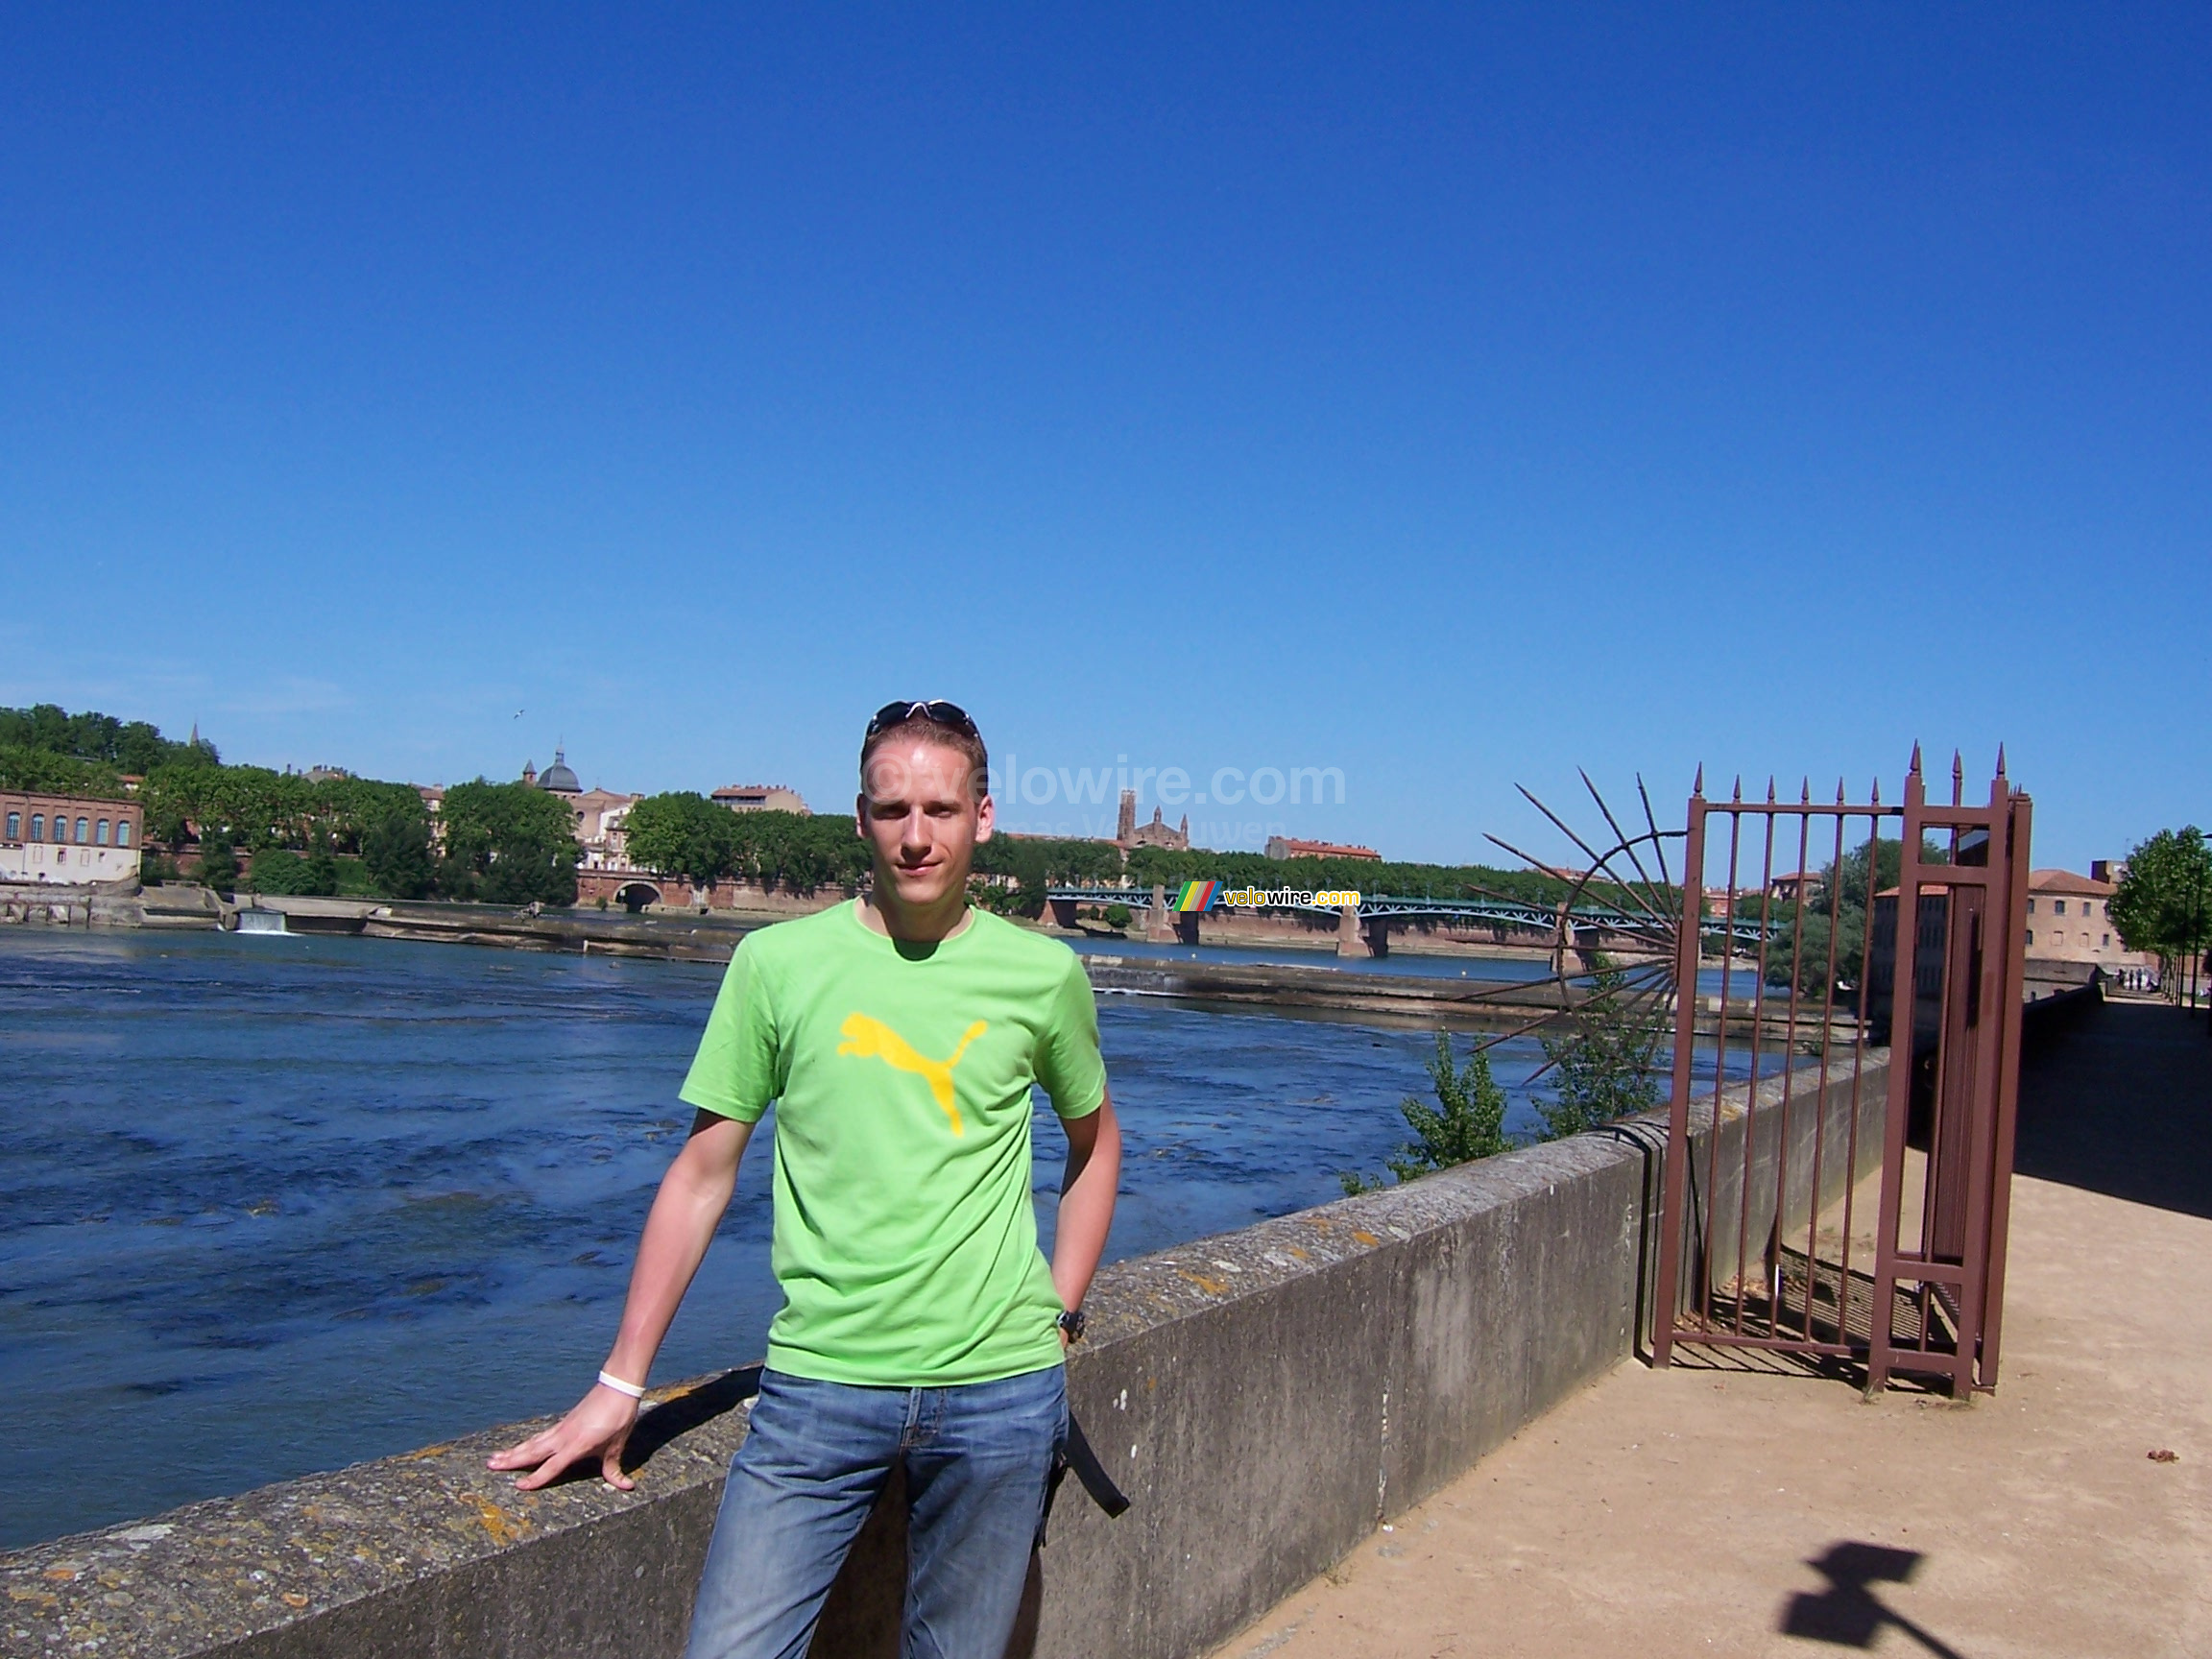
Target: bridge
1365 928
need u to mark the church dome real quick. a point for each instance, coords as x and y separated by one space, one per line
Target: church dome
558 778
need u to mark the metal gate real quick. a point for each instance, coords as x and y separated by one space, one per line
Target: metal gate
1840 1145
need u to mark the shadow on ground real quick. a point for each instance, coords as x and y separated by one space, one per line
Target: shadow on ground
1848 1613
2119 1101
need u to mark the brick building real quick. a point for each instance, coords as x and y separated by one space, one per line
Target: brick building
1288 847
68 839
2070 920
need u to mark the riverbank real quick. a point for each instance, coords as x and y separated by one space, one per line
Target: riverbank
1368 991
671 932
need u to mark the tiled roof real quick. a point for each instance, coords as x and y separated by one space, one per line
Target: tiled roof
2066 881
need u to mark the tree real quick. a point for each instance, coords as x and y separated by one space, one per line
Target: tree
1607 1062
396 851
1467 1122
1032 873
319 875
42 772
801 852
508 844
683 835
2164 905
133 746
1839 910
218 862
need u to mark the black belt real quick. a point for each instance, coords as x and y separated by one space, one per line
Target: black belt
1075 1454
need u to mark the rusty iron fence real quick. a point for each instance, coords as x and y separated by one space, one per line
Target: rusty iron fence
1840 1140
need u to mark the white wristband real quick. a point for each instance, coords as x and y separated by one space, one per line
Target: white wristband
636 1390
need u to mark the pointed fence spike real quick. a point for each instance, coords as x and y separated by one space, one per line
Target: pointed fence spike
2000 759
1840 797
1915 766
1698 788
1877 791
1805 790
1769 789
1737 793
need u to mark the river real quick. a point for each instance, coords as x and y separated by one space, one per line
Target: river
274 1204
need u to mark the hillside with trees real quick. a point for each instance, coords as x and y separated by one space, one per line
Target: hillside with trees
292 831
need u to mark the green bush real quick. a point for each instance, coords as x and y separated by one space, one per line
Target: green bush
279 871
1467 1122
1607 1062
283 872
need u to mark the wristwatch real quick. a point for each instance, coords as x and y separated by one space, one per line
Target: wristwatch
1071 1324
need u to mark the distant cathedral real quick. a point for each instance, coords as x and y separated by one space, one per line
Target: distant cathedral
557 778
1131 833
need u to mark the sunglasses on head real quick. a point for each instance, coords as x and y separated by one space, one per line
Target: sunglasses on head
937 711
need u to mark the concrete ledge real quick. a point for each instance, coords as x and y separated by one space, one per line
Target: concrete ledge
71 904
1265 1397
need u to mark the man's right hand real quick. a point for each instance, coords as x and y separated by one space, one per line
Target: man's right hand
692 1196
598 1425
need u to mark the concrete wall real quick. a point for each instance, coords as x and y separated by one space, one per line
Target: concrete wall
76 905
1799 1114
34 862
1265 1397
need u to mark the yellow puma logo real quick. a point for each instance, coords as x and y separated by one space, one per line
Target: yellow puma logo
871 1037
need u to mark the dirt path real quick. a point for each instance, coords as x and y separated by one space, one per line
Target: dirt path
1698 1511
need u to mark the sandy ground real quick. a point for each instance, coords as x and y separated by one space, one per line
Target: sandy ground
1708 1511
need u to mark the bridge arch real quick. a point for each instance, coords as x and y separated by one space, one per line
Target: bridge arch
635 895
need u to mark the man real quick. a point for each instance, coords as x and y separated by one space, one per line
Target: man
899 1036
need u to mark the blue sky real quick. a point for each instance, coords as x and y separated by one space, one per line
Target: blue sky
1453 398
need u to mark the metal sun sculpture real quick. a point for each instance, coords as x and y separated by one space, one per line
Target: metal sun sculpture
1617 918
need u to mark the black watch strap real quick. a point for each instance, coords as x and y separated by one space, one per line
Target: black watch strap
1071 1322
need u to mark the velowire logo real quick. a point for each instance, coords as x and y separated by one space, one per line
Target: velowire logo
1204 896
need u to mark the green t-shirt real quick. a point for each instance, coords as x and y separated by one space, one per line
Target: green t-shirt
906 1239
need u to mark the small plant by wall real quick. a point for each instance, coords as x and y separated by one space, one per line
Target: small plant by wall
1467 1122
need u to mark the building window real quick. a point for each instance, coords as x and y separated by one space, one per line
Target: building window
2108 943
99 833
123 832
2030 906
2057 906
2030 934
37 826
15 826
83 832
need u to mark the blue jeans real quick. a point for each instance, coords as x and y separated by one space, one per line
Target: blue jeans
976 1457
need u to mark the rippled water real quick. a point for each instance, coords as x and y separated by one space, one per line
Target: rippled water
274 1204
